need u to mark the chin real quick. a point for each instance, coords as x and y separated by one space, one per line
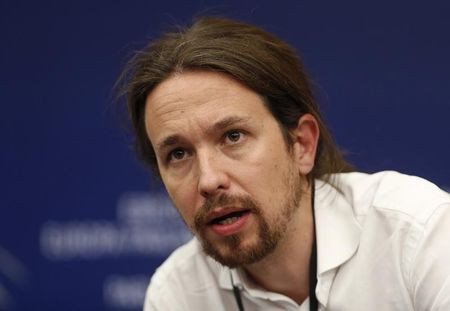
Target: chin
234 252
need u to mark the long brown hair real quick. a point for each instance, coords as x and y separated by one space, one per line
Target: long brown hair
248 54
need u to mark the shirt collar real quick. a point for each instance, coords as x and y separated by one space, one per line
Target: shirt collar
337 232
225 279
241 281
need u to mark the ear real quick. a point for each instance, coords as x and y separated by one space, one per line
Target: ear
306 137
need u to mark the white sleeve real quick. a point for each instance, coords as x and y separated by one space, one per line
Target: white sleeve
430 278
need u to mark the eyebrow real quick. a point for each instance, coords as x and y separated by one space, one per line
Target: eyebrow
218 126
227 122
169 141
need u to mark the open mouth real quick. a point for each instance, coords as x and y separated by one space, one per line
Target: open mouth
229 218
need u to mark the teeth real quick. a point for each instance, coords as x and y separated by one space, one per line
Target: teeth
229 220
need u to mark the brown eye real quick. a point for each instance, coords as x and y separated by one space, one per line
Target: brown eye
234 136
177 155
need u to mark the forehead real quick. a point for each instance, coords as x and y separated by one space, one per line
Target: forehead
200 98
189 90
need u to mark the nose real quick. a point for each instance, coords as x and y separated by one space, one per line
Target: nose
213 177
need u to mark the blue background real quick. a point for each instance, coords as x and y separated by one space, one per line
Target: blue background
381 71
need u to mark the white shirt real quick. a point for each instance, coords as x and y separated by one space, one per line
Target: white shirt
383 243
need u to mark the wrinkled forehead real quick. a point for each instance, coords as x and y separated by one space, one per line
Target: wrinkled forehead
184 93
196 91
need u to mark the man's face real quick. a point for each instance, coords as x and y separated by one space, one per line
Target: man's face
225 164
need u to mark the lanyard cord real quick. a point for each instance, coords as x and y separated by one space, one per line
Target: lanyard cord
313 303
237 294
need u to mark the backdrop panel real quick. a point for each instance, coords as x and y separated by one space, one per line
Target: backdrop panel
83 226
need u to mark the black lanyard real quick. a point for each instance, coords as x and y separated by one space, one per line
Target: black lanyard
237 294
313 303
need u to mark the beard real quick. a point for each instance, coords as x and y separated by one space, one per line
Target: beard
235 250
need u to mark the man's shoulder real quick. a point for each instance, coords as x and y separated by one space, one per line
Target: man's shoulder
393 192
400 236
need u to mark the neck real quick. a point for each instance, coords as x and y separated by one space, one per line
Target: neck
286 270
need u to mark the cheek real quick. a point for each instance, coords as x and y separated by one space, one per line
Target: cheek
271 179
261 180
183 196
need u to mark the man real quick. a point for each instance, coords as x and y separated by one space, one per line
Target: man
224 113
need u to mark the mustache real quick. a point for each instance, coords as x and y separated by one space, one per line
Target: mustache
223 200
